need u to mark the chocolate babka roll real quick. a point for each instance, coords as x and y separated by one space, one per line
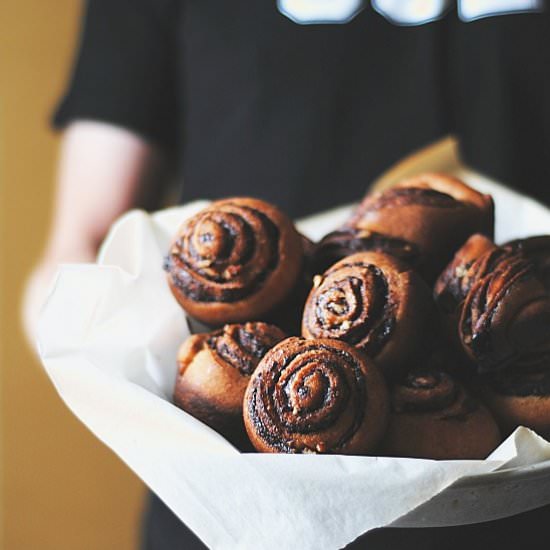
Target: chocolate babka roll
453 285
433 212
450 291
496 306
434 416
234 261
349 240
536 249
214 370
315 396
374 302
519 398
505 316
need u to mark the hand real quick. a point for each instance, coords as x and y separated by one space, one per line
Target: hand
39 285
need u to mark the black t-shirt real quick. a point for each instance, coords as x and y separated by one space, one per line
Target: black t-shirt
249 101
304 103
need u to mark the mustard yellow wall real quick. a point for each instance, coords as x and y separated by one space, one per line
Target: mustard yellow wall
61 488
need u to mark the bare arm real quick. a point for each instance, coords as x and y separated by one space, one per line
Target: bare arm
103 171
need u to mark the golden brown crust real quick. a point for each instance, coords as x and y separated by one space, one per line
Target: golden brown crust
234 261
373 301
519 399
434 212
433 416
315 396
214 370
449 185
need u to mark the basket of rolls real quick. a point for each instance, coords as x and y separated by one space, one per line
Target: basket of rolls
285 384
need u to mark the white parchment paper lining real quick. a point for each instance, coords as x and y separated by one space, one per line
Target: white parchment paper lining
108 338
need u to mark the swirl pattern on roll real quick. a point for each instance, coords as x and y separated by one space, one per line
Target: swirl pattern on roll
372 301
537 250
317 396
234 261
216 255
242 346
505 317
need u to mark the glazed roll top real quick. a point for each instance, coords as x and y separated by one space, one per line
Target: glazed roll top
373 301
316 396
433 212
433 416
234 261
214 370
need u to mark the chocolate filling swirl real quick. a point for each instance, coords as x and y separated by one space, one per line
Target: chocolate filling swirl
354 303
537 250
455 282
307 396
242 346
505 316
224 253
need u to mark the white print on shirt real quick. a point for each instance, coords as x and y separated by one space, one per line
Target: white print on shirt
400 12
468 10
308 12
411 12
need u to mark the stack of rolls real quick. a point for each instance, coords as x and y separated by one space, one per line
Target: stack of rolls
405 332
422 221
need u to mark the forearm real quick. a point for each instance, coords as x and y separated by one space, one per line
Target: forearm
103 171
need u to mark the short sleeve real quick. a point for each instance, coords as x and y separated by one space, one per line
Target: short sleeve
125 69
